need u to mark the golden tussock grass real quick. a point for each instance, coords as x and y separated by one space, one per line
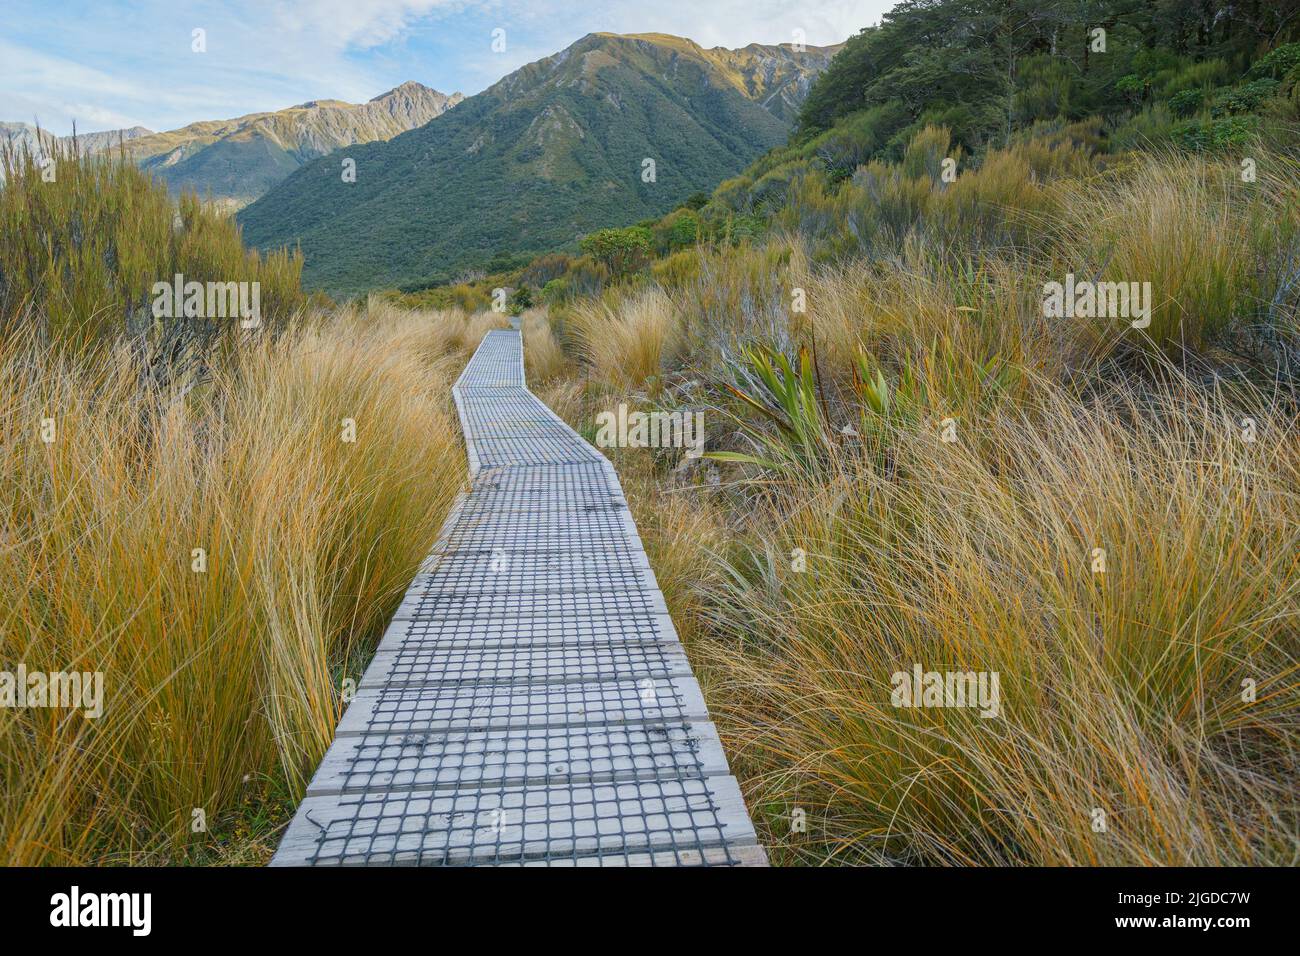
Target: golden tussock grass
1192 229
628 346
1146 711
544 360
1125 566
222 684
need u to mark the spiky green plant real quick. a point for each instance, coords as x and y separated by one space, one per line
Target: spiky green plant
785 396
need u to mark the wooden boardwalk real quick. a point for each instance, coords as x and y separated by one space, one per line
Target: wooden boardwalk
530 703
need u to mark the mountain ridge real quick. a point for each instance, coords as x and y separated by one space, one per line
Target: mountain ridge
233 161
545 154
240 158
27 134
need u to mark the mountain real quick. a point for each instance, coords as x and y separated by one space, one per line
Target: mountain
777 77
24 134
545 155
94 142
237 160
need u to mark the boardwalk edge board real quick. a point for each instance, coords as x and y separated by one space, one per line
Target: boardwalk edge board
530 703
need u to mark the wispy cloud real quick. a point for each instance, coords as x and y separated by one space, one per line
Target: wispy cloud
113 63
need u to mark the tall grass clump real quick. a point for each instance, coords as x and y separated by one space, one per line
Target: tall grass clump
1217 251
627 346
439 334
913 464
544 359
84 239
216 520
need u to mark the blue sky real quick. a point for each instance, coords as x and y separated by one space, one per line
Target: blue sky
116 63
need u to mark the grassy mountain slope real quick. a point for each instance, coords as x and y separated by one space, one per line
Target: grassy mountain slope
239 159
537 160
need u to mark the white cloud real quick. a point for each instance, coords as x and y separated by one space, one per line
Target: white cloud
354 24
729 23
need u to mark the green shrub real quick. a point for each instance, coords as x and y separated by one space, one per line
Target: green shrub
1216 134
545 268
521 300
1201 75
555 292
677 230
1046 83
620 250
1243 99
1277 63
1186 102
83 240
1150 127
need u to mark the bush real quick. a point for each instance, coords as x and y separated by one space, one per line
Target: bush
1185 103
677 230
1216 134
1243 99
1147 129
521 300
1278 63
1201 74
545 268
79 254
620 250
555 292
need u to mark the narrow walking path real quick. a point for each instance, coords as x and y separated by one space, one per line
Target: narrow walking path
530 703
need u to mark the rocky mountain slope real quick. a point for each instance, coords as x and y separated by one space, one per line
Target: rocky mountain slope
239 159
25 135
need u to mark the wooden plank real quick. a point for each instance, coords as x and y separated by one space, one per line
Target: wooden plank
509 826
497 707
528 756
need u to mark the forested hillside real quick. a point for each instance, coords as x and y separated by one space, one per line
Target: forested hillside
1068 86
610 130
